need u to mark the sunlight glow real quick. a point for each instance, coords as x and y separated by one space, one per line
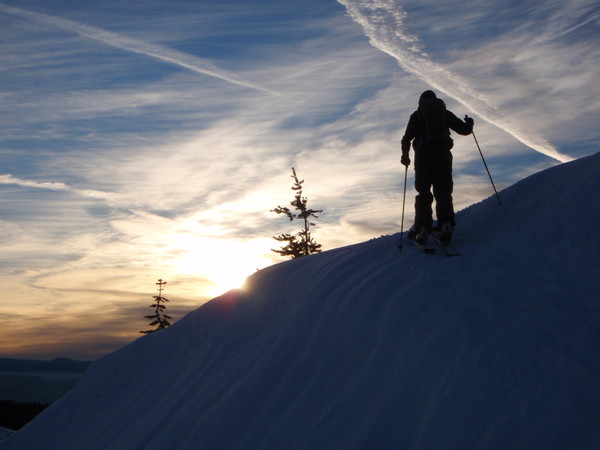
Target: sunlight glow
225 263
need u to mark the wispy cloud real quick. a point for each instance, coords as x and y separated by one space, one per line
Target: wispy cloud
123 313
181 59
115 175
8 179
385 23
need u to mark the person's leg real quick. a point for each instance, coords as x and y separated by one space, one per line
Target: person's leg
424 199
442 189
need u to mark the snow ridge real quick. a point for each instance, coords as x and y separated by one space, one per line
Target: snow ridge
361 347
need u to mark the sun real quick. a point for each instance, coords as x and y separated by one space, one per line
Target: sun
224 264
228 276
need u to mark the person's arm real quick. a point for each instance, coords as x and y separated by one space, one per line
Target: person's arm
464 128
409 135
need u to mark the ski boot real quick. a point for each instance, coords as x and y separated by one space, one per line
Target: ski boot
445 233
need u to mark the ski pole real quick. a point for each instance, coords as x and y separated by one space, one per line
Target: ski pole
403 203
486 168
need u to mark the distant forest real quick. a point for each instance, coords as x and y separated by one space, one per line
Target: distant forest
14 415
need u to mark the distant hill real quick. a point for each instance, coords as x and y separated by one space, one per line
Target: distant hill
54 365
38 381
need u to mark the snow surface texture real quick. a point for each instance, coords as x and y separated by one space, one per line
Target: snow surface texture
5 432
363 347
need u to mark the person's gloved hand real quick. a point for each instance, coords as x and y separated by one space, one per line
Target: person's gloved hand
469 121
405 160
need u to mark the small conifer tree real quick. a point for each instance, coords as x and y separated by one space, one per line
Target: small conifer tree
159 318
301 243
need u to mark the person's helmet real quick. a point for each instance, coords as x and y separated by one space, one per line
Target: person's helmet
426 96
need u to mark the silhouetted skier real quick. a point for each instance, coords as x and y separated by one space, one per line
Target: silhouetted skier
429 131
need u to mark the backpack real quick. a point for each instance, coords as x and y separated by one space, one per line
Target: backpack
433 116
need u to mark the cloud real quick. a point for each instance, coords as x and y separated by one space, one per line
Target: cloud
385 23
83 331
8 179
194 63
183 174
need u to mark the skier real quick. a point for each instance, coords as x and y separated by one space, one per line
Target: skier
428 130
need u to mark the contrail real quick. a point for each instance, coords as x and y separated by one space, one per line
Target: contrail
56 186
185 60
383 22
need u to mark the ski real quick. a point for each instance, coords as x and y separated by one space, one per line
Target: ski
447 247
423 247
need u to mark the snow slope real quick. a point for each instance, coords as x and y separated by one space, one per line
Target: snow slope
361 347
4 433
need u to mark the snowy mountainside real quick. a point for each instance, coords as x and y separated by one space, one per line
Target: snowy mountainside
4 433
362 347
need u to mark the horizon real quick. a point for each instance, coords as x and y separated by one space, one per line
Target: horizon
147 143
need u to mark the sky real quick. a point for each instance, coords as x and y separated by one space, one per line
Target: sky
152 140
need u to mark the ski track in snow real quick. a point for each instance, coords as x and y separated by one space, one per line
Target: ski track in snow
363 347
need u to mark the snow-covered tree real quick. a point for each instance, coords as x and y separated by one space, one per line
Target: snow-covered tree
301 243
159 319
